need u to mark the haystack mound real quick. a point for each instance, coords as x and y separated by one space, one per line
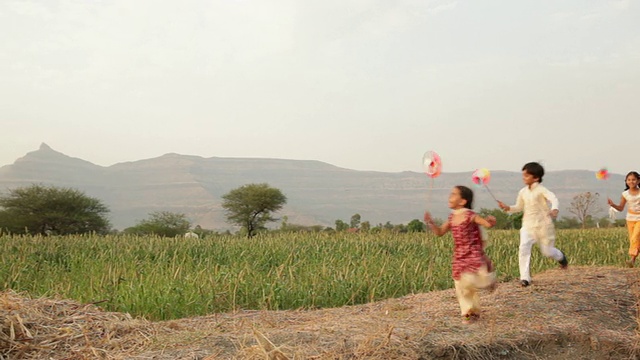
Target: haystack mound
60 329
580 313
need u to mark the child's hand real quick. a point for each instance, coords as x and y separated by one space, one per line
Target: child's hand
610 202
427 218
503 206
491 220
554 213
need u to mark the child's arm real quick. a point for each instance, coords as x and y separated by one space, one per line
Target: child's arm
620 207
489 222
436 230
555 205
518 207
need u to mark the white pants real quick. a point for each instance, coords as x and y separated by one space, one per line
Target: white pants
467 286
546 240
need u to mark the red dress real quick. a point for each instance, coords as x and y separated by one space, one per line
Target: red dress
468 252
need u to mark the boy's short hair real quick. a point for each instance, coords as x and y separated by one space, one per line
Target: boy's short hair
535 169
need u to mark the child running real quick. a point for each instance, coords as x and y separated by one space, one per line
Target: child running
537 223
631 195
472 269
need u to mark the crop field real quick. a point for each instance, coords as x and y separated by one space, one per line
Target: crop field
163 278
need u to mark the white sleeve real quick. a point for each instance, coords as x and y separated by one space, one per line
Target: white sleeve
551 197
519 206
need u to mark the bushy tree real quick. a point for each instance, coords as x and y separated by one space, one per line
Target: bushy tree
354 223
341 225
39 209
516 220
399 228
161 223
250 206
416 225
503 219
568 223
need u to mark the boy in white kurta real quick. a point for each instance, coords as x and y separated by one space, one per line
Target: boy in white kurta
537 220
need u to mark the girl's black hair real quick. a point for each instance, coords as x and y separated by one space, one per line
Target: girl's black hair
634 173
466 194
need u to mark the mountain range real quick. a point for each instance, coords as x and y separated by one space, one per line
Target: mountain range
317 193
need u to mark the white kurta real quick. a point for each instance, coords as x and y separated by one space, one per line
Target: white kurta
537 225
534 202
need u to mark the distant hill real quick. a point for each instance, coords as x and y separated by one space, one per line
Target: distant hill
317 192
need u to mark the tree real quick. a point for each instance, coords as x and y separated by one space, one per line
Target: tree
416 225
285 226
516 220
202 233
285 223
603 222
399 228
250 206
567 223
503 219
341 225
39 209
355 221
161 223
365 226
584 206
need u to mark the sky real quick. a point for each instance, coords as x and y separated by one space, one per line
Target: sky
364 85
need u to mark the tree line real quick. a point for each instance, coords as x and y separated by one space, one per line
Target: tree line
50 210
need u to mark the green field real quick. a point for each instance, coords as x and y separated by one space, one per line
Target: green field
161 278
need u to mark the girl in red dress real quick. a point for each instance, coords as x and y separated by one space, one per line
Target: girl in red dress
472 269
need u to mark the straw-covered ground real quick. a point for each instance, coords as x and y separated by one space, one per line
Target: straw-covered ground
579 313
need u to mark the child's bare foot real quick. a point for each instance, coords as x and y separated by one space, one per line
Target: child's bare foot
470 318
629 263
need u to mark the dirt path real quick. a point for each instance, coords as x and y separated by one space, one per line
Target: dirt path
587 313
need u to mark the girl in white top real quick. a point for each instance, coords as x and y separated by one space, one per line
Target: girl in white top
631 195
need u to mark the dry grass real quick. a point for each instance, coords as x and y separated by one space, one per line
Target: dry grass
583 312
59 329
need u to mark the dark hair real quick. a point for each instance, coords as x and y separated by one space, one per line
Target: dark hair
535 169
466 194
634 173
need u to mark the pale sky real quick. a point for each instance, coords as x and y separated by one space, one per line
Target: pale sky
365 85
